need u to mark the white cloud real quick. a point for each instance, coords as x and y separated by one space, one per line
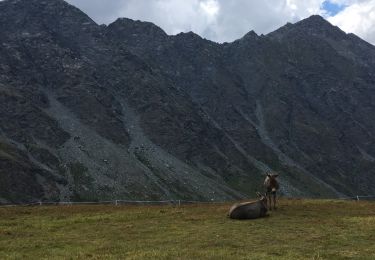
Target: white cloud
227 20
218 20
210 7
358 18
237 17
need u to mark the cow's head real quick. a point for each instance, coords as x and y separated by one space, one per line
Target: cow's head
272 182
272 175
262 198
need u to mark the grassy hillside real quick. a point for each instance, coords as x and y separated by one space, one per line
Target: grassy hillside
313 229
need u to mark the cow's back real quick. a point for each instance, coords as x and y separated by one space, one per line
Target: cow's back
247 210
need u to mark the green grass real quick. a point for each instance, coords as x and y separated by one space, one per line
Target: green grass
299 229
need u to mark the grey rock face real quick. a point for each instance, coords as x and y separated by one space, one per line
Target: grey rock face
125 111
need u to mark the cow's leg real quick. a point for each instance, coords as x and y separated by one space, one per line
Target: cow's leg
270 201
274 200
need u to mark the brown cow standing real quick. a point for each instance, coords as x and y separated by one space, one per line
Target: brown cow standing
272 186
249 210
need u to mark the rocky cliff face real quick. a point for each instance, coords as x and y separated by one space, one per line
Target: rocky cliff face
91 112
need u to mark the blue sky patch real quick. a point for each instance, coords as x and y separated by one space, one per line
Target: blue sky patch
332 8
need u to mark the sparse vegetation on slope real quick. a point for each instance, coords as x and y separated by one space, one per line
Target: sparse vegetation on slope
300 229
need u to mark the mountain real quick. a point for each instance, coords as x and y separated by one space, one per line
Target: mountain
93 112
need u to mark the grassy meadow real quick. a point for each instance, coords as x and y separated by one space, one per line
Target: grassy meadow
299 229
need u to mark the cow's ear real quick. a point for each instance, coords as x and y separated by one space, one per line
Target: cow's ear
275 175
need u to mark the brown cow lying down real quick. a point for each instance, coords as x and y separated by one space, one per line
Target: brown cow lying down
249 210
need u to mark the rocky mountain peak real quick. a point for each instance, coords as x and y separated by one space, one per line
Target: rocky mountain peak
131 28
252 35
188 36
39 14
47 7
313 26
314 21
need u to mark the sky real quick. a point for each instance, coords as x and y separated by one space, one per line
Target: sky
228 20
